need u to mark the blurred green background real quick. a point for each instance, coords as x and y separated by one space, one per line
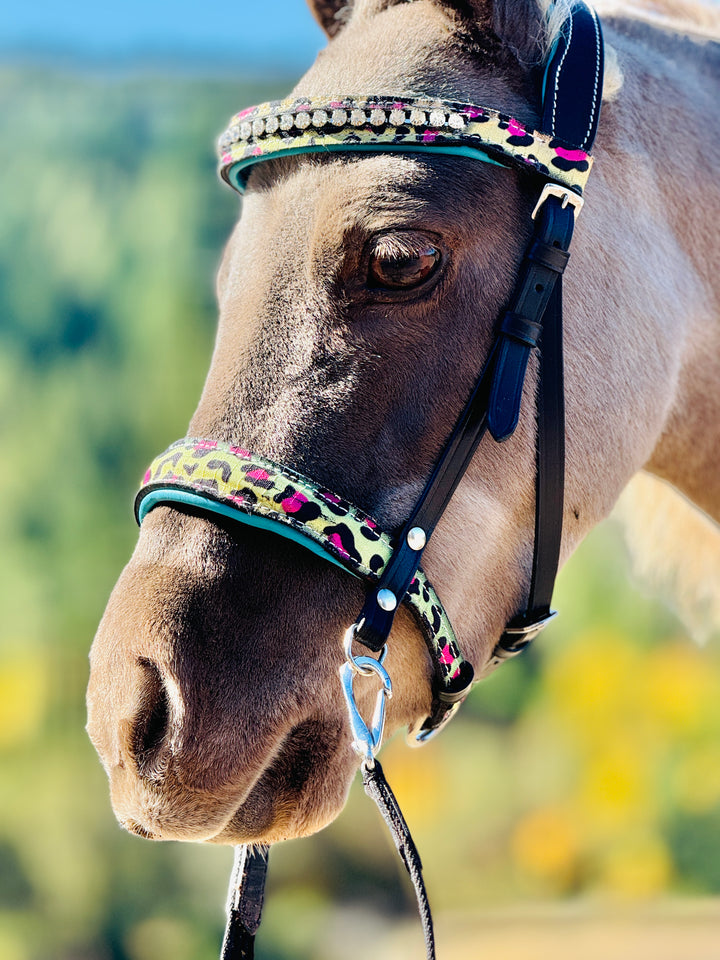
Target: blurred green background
586 772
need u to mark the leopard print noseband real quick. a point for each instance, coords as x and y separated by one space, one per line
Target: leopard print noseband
225 479
391 124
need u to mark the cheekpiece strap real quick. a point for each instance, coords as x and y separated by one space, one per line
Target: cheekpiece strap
228 480
389 124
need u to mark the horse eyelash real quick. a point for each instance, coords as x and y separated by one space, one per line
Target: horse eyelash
400 247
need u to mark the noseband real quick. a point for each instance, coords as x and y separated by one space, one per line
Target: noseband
218 478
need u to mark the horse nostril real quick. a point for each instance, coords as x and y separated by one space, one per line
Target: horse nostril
151 723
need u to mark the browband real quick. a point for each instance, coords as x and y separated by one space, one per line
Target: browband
384 124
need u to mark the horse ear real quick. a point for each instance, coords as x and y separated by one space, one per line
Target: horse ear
329 14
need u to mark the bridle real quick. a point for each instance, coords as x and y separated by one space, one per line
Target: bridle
221 479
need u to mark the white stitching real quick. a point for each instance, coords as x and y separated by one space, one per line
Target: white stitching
597 77
559 70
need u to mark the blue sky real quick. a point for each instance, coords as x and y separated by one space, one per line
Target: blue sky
278 33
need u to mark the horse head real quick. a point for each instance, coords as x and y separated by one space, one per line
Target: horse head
358 299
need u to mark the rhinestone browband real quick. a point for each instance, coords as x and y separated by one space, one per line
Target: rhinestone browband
388 124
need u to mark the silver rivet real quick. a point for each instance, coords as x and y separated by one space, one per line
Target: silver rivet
416 538
386 600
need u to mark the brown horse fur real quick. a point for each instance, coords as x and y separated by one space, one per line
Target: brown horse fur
214 698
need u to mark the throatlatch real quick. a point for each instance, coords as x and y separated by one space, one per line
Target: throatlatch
223 479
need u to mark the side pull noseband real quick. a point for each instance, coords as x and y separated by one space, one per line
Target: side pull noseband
229 481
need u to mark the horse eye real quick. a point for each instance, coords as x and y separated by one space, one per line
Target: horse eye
402 270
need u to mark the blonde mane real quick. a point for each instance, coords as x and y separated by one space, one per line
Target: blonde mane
674 550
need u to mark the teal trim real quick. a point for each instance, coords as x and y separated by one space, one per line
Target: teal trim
158 497
549 62
472 153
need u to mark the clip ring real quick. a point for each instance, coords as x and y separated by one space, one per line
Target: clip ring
356 663
366 739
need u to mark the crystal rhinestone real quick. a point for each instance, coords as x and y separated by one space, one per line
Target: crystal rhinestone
455 121
271 124
233 133
386 600
302 120
397 117
416 538
437 118
358 118
319 118
377 117
258 128
417 118
286 121
245 131
339 118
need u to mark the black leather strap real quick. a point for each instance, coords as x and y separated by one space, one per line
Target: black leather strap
521 327
245 901
374 622
495 403
378 789
557 227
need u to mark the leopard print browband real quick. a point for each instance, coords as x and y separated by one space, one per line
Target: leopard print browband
389 124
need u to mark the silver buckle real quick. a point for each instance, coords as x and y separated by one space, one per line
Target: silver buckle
417 737
565 194
531 629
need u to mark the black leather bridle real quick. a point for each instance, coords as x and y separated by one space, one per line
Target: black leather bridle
572 92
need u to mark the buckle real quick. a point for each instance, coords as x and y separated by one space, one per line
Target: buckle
565 194
419 734
523 633
534 626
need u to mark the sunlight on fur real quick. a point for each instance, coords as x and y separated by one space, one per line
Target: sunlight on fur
675 551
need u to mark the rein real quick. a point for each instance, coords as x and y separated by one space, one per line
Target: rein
218 478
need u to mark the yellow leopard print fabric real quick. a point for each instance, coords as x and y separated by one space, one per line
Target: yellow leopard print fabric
390 123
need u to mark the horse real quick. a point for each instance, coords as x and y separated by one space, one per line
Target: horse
358 296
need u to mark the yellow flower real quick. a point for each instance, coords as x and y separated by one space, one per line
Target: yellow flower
637 868
545 846
681 687
23 696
